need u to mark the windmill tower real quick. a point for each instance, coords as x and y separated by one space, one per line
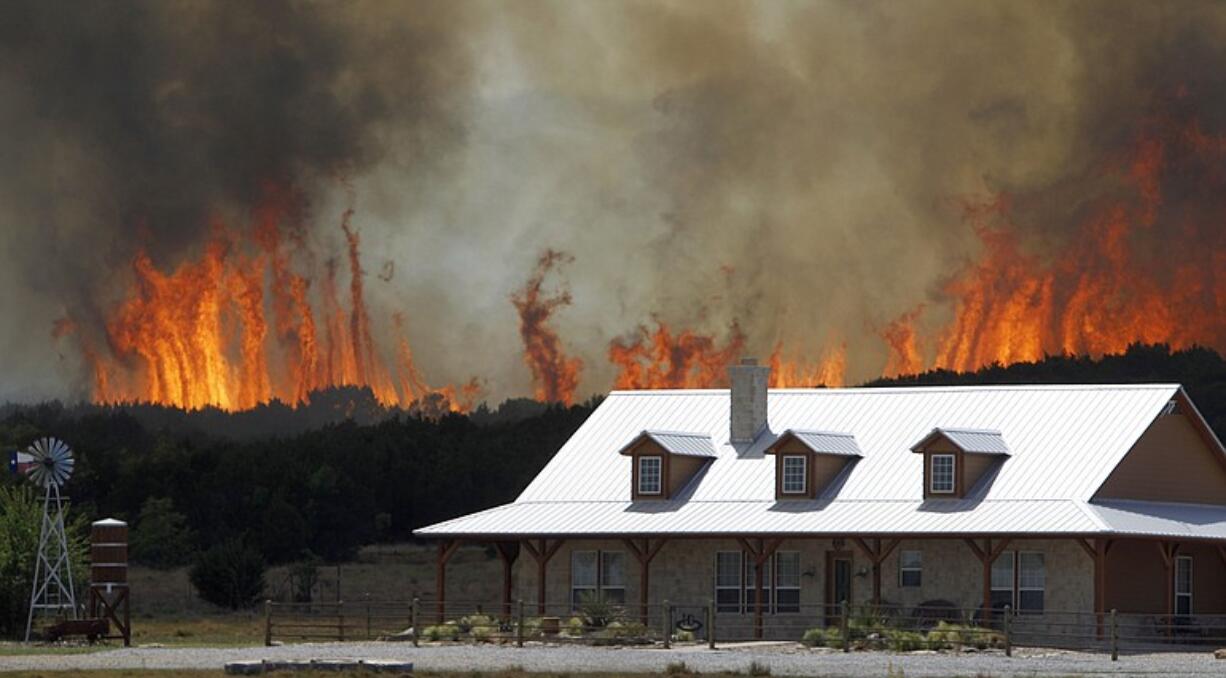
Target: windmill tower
53 590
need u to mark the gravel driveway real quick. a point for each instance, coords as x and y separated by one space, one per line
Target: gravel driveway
786 659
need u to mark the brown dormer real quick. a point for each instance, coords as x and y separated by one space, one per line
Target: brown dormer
956 458
662 462
806 462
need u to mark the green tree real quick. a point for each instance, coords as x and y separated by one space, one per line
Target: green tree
20 521
161 539
230 574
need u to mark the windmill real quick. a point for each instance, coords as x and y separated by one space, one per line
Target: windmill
51 466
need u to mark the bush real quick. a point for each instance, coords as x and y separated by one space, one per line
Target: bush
448 631
574 626
620 633
814 637
756 669
834 638
304 575
161 538
597 610
905 641
482 634
475 621
684 636
229 575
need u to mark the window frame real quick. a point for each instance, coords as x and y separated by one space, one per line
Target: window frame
918 569
746 589
1175 581
804 474
1011 588
659 474
598 586
779 607
932 473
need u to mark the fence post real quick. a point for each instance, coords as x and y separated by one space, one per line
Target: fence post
845 626
1008 620
340 618
711 624
267 623
413 621
668 623
519 626
1115 638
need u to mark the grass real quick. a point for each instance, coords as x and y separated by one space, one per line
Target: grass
186 673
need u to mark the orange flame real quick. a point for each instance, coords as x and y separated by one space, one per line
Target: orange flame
198 336
829 370
555 377
1138 268
659 359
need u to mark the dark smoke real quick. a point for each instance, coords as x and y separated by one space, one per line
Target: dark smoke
798 168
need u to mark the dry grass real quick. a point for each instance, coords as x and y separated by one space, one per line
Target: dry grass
289 674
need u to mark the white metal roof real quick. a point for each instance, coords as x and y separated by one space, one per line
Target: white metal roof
1064 442
826 442
677 442
970 440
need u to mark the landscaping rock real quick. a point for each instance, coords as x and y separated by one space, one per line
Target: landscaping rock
245 668
1219 654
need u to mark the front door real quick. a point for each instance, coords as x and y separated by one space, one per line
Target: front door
838 583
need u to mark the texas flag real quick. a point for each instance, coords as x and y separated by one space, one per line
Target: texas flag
20 462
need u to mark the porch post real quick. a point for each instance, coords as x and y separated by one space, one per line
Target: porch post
644 553
876 554
509 552
446 549
1098 554
987 555
1168 550
761 556
542 551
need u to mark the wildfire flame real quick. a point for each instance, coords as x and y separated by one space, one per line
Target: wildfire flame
1138 268
555 377
829 370
198 336
660 359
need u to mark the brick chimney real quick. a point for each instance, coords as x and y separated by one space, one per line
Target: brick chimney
749 381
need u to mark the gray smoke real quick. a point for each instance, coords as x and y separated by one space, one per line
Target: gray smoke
793 166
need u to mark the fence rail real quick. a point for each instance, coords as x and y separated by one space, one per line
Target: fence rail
841 626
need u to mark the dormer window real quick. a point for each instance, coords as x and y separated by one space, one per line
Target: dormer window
664 462
650 474
808 462
957 459
941 474
795 473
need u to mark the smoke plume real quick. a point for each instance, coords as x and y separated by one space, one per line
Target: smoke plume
805 181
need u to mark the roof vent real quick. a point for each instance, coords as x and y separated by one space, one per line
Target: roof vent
749 381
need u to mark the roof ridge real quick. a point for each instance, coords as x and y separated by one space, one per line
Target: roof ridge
1134 386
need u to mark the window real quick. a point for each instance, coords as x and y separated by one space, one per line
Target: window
728 581
794 474
787 581
941 474
595 573
1183 585
1019 580
910 568
1002 582
1031 581
649 475
736 587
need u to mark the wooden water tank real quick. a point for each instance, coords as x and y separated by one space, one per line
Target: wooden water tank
108 551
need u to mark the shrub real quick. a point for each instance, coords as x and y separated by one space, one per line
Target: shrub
597 610
620 633
482 634
814 637
684 636
757 669
574 626
304 576
834 637
472 622
229 574
161 538
448 631
905 641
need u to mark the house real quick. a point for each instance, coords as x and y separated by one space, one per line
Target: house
778 502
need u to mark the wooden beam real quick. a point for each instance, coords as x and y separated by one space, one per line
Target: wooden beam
1086 546
446 549
1221 551
509 553
634 548
975 548
651 553
994 553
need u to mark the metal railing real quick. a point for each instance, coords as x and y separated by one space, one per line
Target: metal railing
844 627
